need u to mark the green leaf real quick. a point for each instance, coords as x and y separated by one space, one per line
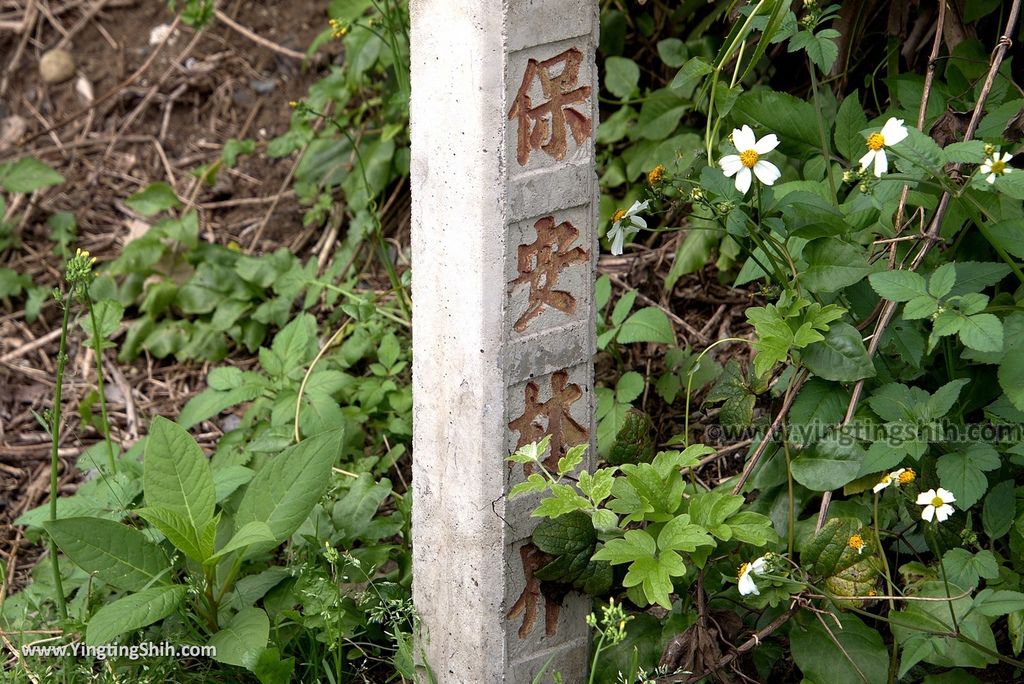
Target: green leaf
789 117
850 121
156 197
286 488
28 175
841 356
655 576
132 612
649 324
660 114
243 638
119 555
176 475
975 276
942 401
252 533
672 52
833 264
963 473
679 534
969 152
621 76
859 656
996 602
749 527
964 568
633 545
942 281
898 286
567 534
197 544
831 463
629 387
108 314
947 651
999 509
686 79
983 332
1011 378
354 513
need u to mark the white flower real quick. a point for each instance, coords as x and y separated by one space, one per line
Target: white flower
749 159
892 132
746 580
891 478
996 165
936 504
626 223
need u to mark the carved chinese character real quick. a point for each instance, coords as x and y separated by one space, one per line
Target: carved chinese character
564 430
533 560
540 263
542 127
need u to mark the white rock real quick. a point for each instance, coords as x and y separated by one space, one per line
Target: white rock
57 66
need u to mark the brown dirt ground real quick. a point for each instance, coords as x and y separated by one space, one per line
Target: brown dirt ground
194 95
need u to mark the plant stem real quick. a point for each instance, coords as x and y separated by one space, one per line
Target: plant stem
821 131
54 444
98 352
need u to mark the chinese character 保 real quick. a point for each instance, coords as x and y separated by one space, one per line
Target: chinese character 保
542 127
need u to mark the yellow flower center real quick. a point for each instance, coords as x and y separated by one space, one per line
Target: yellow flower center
908 476
998 166
619 213
656 174
885 480
938 502
856 542
748 158
876 141
743 570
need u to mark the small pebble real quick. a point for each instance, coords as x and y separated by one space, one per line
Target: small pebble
57 66
262 86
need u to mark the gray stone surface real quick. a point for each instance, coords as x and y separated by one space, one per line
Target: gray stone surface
504 113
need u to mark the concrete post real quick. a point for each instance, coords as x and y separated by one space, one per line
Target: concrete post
504 112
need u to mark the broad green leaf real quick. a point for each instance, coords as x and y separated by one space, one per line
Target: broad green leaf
355 513
789 117
649 324
996 602
660 114
633 545
833 264
1011 378
969 152
243 638
176 475
686 79
942 401
621 76
829 464
254 532
28 175
819 406
942 280
749 527
850 121
999 509
679 534
948 651
840 356
629 387
132 612
859 656
156 197
108 314
975 276
655 576
287 487
118 554
898 286
672 52
196 544
963 473
571 533
983 332
964 568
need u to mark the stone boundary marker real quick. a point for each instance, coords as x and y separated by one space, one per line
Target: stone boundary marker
504 113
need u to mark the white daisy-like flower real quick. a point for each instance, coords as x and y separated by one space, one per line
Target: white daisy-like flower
996 165
892 132
746 576
936 504
748 162
625 224
891 478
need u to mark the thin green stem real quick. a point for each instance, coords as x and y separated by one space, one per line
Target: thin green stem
823 136
62 358
98 353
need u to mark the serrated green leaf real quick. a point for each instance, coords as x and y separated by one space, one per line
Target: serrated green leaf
119 555
649 324
132 612
841 356
898 286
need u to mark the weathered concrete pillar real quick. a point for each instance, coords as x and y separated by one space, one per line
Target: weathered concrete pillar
504 112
